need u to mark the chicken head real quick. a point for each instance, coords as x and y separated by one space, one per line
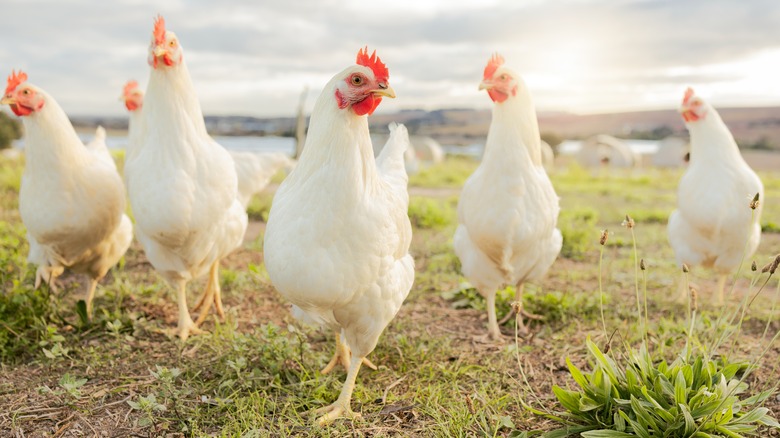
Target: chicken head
23 98
132 96
693 108
363 85
499 81
164 48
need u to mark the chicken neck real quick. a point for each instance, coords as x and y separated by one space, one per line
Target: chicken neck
338 139
50 141
171 103
712 142
513 138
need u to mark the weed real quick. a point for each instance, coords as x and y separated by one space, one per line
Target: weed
576 227
428 213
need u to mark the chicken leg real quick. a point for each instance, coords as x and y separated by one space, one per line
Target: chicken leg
342 356
186 326
342 405
91 296
518 309
212 294
720 289
493 330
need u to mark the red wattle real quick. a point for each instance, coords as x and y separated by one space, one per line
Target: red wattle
131 105
497 96
21 110
367 105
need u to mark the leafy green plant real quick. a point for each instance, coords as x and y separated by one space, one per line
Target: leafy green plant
149 407
72 385
638 396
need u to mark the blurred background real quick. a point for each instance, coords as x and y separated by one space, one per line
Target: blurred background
594 67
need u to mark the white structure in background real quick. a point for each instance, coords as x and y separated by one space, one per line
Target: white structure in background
671 152
548 156
605 150
427 149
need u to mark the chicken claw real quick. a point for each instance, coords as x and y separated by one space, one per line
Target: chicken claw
334 411
342 357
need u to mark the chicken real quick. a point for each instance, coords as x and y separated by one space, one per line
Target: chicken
98 146
508 209
182 184
133 98
254 169
338 235
71 198
713 226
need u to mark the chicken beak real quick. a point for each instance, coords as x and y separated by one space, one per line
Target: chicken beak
485 85
7 101
385 90
159 51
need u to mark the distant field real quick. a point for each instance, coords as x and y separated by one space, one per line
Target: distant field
256 374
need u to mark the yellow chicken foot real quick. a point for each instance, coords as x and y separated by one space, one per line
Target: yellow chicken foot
342 406
211 295
342 357
90 296
719 291
186 326
493 330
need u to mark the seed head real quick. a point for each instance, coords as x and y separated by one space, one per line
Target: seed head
604 236
766 267
754 202
754 267
628 222
694 296
642 264
773 268
685 268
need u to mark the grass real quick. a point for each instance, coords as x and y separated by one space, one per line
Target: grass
256 374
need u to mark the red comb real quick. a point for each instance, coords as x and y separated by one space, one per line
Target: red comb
688 95
130 86
159 29
374 63
14 80
493 64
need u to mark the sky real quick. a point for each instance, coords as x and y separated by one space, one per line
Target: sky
254 57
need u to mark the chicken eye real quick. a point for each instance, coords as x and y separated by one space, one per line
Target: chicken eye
173 43
357 80
503 77
26 92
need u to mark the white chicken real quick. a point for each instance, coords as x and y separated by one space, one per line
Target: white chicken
182 184
338 235
508 209
98 146
713 226
253 169
71 198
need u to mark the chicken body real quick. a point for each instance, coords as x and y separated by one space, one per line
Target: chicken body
508 209
255 170
98 146
712 225
71 198
183 189
338 235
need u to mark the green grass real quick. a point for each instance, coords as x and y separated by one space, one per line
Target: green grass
257 373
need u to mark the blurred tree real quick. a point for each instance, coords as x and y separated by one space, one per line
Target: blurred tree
10 130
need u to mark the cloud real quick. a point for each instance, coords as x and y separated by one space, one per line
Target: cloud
249 57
